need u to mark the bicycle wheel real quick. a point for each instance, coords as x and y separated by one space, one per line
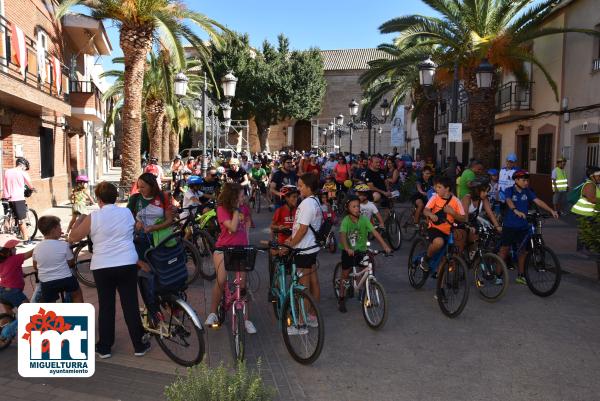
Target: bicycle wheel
238 335
331 243
193 261
453 287
31 222
5 320
180 339
82 269
257 201
407 225
542 271
374 304
206 246
416 275
253 279
486 274
392 227
303 338
337 278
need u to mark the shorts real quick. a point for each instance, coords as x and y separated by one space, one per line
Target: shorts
305 261
20 209
434 233
12 297
51 289
513 236
348 262
417 196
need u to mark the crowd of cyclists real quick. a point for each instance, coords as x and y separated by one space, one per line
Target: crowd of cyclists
310 194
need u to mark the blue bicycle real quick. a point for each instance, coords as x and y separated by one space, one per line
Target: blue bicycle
452 287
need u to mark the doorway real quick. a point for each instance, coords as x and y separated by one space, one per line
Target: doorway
523 151
302 135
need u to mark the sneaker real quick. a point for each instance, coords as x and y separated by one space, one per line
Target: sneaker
212 320
295 331
521 280
28 242
250 329
424 265
102 355
312 321
143 352
342 306
499 281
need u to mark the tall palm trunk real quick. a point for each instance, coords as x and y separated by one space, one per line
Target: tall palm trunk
155 111
135 43
166 129
263 129
425 124
173 143
482 114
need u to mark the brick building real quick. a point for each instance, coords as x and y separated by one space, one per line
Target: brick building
50 104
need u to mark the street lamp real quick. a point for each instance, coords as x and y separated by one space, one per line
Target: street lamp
353 108
181 84
197 110
385 109
427 72
226 111
229 83
484 74
339 120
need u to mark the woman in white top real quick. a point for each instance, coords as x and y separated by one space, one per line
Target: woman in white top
114 266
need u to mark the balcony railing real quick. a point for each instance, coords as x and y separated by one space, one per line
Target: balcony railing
443 118
81 91
514 96
32 76
596 65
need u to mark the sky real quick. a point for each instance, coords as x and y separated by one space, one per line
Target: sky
326 24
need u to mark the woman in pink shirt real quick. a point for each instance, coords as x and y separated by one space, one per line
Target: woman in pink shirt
234 221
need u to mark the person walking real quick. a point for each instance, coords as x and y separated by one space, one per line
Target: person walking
560 184
588 204
114 266
14 182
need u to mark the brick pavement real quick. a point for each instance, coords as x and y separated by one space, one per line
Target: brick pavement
521 348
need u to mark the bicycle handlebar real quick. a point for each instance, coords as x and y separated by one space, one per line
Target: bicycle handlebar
276 245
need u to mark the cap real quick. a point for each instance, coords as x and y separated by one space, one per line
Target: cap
511 157
8 241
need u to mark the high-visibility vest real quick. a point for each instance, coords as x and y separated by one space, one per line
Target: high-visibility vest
561 180
584 207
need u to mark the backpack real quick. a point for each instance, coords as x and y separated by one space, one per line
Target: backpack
323 232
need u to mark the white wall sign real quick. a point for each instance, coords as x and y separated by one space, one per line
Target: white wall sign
455 132
397 135
290 136
19 151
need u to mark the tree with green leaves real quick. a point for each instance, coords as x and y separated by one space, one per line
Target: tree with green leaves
467 31
141 22
275 83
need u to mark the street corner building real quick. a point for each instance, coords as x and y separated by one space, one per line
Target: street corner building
51 107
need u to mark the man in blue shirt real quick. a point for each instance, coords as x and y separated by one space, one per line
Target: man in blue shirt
515 226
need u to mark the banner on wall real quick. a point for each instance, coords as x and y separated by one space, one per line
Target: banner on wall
397 135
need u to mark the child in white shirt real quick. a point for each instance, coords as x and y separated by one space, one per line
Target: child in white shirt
52 259
368 208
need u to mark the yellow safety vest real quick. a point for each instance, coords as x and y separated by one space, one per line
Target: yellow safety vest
561 180
584 207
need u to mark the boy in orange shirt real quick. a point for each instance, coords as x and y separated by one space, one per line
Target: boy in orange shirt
442 210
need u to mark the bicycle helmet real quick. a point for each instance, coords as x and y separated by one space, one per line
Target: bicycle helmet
348 184
512 157
288 190
521 174
233 161
195 180
256 161
191 159
492 171
592 170
153 159
349 199
23 161
362 188
220 170
82 178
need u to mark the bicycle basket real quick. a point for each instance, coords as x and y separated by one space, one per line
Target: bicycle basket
239 259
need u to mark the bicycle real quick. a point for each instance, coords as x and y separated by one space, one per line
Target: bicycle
371 293
487 266
452 289
204 231
255 196
407 223
10 225
392 225
82 270
542 267
292 305
180 325
196 267
239 260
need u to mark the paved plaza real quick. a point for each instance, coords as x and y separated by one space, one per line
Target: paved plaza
521 348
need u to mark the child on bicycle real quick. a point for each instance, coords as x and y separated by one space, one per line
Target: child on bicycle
442 210
368 208
514 225
424 184
330 188
53 259
327 209
80 197
354 234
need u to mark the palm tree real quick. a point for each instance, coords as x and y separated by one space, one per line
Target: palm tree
398 77
469 30
140 22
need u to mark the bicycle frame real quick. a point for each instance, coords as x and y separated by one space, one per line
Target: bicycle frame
284 290
234 300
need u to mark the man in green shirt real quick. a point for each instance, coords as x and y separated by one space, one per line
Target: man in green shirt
475 169
259 176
